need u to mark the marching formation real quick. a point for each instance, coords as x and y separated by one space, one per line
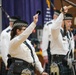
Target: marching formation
19 53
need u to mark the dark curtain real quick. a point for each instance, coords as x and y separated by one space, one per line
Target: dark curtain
23 8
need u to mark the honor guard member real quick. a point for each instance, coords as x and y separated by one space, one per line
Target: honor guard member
62 43
5 38
46 40
22 52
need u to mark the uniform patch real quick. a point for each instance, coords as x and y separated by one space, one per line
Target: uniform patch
8 30
49 23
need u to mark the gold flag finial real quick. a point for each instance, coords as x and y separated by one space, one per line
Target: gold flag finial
48 3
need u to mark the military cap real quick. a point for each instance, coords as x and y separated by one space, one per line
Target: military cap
68 16
57 12
20 23
14 18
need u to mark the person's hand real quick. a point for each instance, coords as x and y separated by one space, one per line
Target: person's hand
45 59
75 37
35 18
44 73
7 68
65 9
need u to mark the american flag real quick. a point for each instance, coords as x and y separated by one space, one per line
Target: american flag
48 15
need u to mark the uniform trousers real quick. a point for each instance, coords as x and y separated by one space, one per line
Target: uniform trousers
20 66
3 69
47 65
62 64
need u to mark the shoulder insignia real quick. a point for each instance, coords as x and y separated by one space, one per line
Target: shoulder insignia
49 23
8 30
